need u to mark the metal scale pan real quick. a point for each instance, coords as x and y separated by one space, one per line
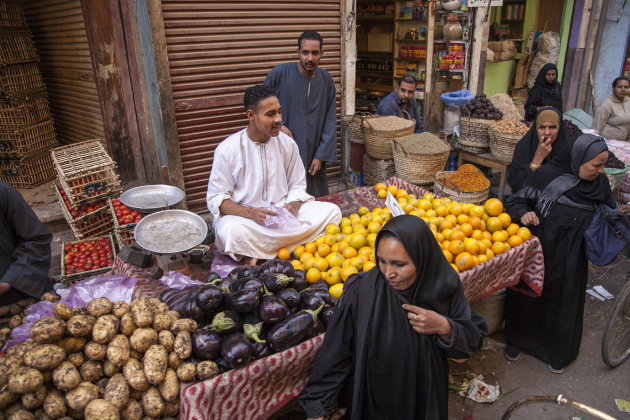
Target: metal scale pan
152 198
170 231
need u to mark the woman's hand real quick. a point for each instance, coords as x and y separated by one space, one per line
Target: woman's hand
530 218
425 321
542 151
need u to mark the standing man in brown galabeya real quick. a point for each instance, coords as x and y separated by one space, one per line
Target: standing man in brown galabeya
307 95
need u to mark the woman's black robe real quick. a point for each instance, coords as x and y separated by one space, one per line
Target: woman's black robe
543 93
373 360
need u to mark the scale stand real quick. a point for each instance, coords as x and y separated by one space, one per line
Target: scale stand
169 262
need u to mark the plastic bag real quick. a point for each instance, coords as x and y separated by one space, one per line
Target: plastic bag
223 264
451 118
177 280
548 48
284 220
459 98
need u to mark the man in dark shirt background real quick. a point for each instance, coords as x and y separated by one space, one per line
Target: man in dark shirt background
402 103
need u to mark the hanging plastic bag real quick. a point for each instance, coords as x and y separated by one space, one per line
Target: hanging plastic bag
459 98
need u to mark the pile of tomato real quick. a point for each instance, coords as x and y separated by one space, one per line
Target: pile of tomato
88 255
124 214
83 209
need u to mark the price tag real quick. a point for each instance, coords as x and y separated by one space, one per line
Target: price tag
393 205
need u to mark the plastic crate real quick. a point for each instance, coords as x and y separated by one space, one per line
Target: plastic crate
19 81
29 172
12 15
86 172
27 141
72 278
17 47
19 114
84 218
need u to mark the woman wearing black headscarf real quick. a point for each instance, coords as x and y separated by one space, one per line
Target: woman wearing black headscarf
384 354
539 145
545 92
558 203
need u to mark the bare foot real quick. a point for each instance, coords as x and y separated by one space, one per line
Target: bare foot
250 261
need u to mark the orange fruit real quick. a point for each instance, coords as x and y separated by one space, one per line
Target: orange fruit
309 263
466 229
512 229
358 240
380 186
476 211
320 240
505 219
349 252
401 193
441 211
363 210
296 264
347 229
489 253
471 246
382 193
498 248
448 255
284 254
333 276
494 224
477 234
464 261
456 247
482 247
335 259
500 236
357 262
475 222
305 256
374 227
347 271
371 240
298 251
310 247
425 205
428 196
323 250
321 264
439 237
457 235
333 229
313 275
456 209
493 207
336 290
393 190
524 233
463 218
515 240
445 244
482 258
368 265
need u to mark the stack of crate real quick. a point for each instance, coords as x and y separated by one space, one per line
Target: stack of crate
87 176
26 126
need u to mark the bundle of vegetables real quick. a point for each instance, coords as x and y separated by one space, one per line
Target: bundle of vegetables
105 360
481 107
253 312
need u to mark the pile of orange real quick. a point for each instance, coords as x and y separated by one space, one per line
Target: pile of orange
467 233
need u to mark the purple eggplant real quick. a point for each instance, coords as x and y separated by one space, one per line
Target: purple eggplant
316 330
253 332
260 350
209 297
212 276
242 301
222 364
176 299
292 330
206 343
236 350
314 298
243 271
250 283
226 283
326 314
272 309
274 281
251 318
226 322
276 266
299 282
290 296
320 285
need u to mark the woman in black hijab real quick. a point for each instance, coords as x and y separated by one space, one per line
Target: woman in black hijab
558 203
539 145
545 92
384 354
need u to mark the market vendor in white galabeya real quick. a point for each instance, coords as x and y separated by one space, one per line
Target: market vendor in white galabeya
256 172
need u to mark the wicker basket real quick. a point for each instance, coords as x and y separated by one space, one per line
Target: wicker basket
455 194
19 114
12 15
17 47
617 174
19 81
68 279
378 134
29 172
28 141
475 150
419 156
502 144
353 125
68 215
474 132
123 233
375 170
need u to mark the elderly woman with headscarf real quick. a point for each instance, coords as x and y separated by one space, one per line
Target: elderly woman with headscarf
385 349
558 202
545 92
539 145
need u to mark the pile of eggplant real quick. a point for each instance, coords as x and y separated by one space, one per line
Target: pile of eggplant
252 312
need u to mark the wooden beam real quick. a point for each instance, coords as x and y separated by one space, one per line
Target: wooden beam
479 45
348 75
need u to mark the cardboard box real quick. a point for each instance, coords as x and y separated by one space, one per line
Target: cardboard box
380 42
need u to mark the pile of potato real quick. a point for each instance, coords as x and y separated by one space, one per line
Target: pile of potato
106 361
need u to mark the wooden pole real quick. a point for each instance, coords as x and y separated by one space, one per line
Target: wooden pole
478 40
348 75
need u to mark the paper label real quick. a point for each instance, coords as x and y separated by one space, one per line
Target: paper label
393 205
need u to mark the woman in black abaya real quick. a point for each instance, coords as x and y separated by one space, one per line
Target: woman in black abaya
557 202
384 354
545 92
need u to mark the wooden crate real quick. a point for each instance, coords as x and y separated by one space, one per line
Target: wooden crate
27 141
86 172
17 47
96 225
12 15
122 233
68 213
27 173
68 279
19 81
15 115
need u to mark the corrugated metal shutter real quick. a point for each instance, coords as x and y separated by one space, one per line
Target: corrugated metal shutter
218 49
62 45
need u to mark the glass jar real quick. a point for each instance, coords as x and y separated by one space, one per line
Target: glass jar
452 29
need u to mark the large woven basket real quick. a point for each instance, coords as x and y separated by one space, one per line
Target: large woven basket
502 144
617 174
474 132
353 125
376 170
419 156
378 134
455 194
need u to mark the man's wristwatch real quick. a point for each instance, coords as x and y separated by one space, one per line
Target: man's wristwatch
533 166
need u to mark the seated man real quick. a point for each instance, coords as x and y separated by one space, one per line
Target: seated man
402 103
257 168
24 249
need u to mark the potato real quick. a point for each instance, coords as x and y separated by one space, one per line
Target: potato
40 414
161 322
120 308
21 414
142 339
174 315
134 394
173 360
117 391
118 350
105 328
206 370
186 372
169 388
54 405
72 344
25 380
99 306
79 325
15 321
135 354
62 311
183 344
66 376
101 409
167 339
95 351
184 324
132 411
50 297
101 384
48 330
7 397
142 313
32 400
80 397
127 326
74 414
8 365
152 402
171 408
155 364
77 359
91 371
134 374
44 357
79 310
110 369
